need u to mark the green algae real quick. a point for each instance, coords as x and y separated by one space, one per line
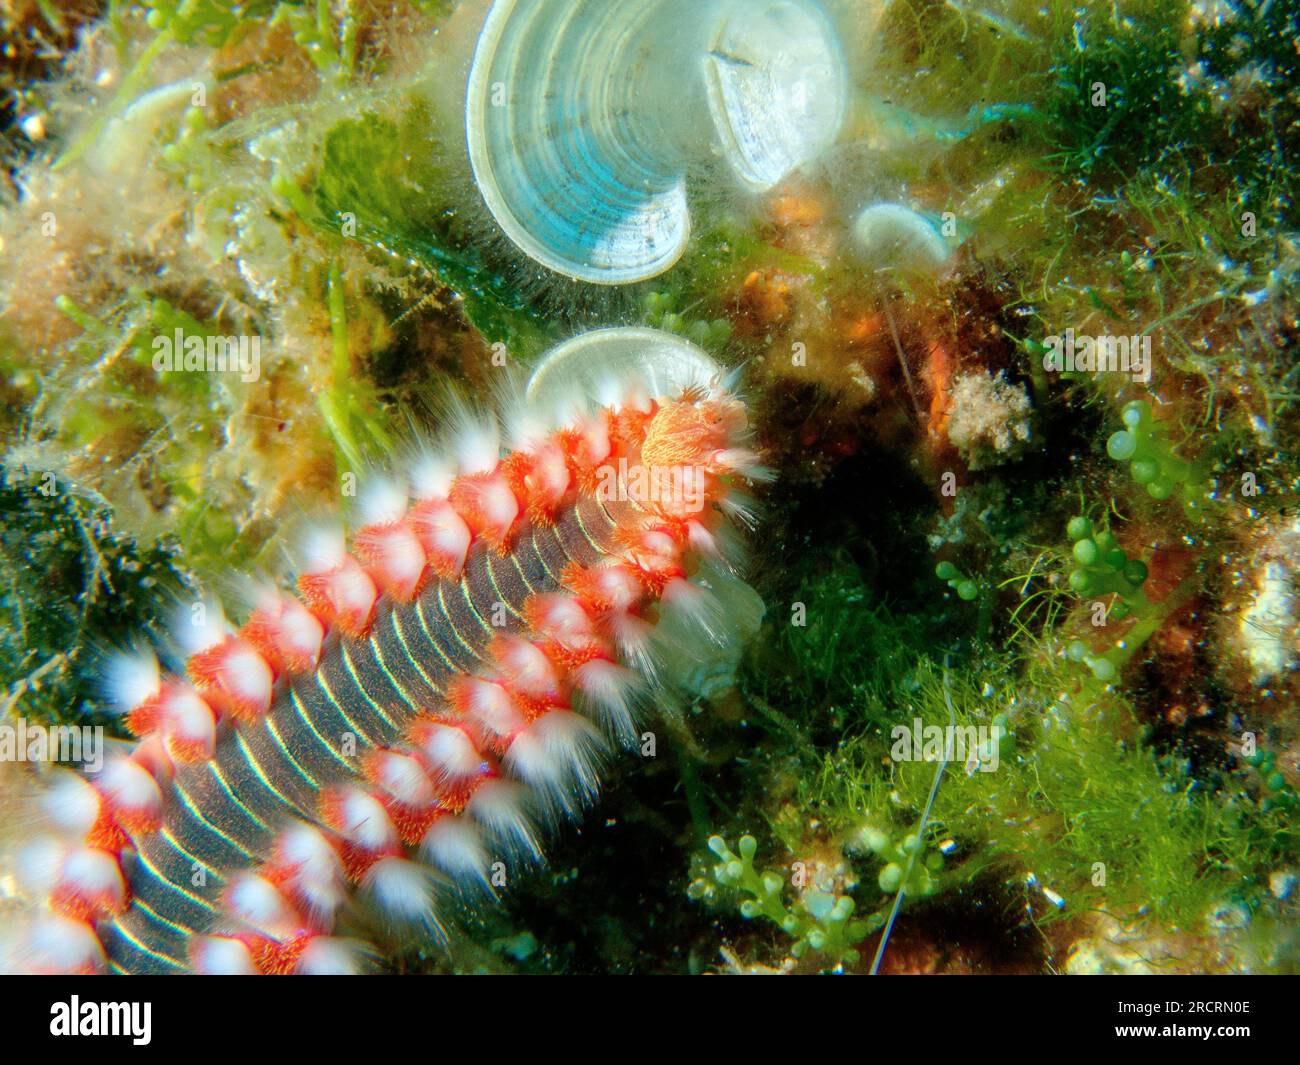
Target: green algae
1079 786
819 921
1117 104
72 587
379 175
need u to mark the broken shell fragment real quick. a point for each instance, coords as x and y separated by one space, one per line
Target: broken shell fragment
583 118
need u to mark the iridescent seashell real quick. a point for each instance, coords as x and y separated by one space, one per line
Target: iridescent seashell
583 118
586 365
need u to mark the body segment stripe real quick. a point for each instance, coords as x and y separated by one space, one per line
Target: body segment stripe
396 684
196 812
413 659
158 918
304 711
260 773
220 778
451 627
145 949
144 862
273 731
361 688
424 624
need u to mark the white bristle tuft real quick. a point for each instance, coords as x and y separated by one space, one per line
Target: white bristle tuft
557 755
354 586
563 411
93 872
331 956
404 779
200 626
618 585
451 753
317 873
130 678
249 675
477 444
128 784
38 865
323 548
491 706
609 690
255 901
52 944
628 390
701 541
500 807
363 820
562 617
732 552
382 500
305 847
740 509
745 462
190 720
633 636
301 628
431 475
695 605
70 803
609 391
259 593
221 956
453 845
527 667
402 891
526 425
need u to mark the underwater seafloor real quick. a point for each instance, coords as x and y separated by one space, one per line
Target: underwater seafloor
1091 570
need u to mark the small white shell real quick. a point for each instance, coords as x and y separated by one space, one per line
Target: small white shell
586 365
889 235
583 117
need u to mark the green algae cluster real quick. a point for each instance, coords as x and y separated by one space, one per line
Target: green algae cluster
1115 168
73 586
1081 799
